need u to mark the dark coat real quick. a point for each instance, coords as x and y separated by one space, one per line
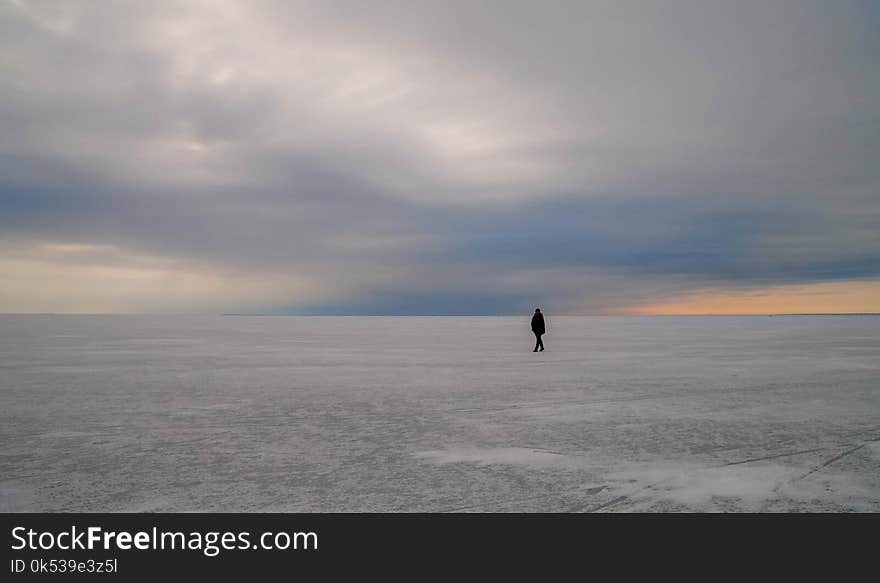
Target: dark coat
538 323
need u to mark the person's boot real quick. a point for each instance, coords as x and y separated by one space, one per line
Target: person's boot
542 349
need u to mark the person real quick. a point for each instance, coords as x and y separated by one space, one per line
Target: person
538 329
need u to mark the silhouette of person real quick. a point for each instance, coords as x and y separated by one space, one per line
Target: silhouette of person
538 329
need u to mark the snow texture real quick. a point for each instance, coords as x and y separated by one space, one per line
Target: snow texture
173 413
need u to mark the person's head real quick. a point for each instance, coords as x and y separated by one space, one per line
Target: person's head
537 310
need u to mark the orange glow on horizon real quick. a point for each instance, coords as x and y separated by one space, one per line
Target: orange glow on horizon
831 297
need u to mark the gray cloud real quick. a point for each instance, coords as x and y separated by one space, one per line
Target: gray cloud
416 157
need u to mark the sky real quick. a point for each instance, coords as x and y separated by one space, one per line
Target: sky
457 157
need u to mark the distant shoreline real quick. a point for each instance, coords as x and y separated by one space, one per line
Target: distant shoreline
461 315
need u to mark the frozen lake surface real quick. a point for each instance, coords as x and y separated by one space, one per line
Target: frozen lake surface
162 413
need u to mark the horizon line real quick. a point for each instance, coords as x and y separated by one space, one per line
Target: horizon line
257 314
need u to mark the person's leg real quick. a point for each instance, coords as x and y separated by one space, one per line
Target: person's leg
541 342
537 341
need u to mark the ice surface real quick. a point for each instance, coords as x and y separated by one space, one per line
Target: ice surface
147 413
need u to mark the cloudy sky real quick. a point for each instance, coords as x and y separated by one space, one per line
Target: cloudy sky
433 157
